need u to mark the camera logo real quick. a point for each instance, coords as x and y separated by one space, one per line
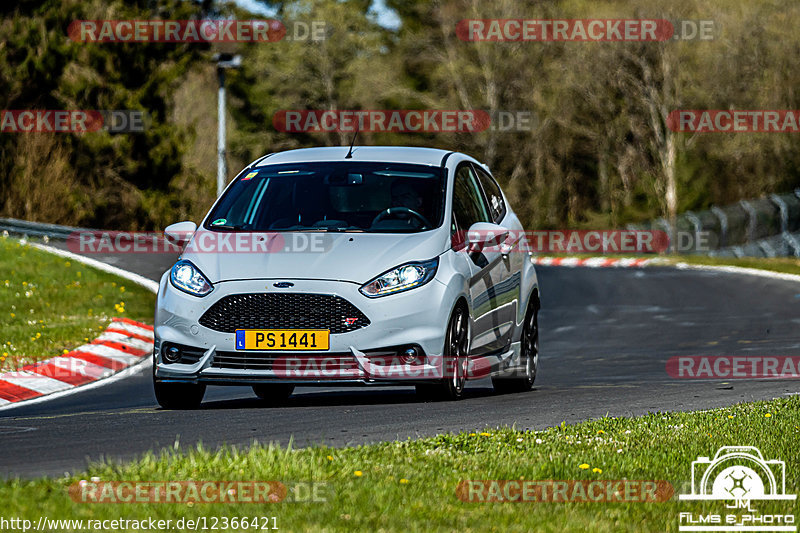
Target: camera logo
738 473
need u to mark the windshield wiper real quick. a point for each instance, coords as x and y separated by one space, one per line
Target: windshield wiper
227 226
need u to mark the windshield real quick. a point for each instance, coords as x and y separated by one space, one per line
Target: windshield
333 196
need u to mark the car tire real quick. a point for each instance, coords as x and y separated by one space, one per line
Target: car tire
179 395
455 360
529 353
273 393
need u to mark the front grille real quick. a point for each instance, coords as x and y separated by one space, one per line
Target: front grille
283 311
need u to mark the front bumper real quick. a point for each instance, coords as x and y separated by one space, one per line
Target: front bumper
417 317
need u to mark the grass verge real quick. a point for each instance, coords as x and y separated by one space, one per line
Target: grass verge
411 485
49 304
786 265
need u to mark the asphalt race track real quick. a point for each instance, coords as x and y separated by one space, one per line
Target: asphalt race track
606 336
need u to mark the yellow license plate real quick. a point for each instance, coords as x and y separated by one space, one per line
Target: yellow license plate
282 339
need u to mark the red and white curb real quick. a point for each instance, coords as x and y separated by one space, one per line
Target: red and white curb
595 262
124 343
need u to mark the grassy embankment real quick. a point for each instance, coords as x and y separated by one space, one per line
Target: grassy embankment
411 485
49 304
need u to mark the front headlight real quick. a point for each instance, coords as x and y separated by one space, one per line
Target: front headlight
188 278
401 278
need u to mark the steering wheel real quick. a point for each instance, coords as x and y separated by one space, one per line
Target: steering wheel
391 211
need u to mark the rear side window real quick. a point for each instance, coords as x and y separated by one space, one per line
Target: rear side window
497 206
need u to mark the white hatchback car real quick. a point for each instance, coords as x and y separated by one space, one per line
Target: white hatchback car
384 265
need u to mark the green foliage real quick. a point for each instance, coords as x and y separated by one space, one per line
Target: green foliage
600 153
41 68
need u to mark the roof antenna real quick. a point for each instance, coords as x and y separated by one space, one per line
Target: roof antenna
350 152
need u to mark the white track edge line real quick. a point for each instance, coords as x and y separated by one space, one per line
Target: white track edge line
737 270
105 267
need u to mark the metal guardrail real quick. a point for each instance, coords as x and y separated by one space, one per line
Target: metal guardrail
763 227
36 229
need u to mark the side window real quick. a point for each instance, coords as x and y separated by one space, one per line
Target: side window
468 204
497 206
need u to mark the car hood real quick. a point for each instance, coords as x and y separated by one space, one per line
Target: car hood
355 257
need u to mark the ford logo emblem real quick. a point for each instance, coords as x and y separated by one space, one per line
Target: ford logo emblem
283 284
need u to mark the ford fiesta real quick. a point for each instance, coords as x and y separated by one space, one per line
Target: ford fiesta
367 266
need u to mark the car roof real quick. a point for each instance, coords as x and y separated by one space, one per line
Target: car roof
391 154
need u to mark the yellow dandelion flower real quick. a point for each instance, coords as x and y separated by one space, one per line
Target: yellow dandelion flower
330 458
583 466
358 473
484 434
768 415
472 434
66 351
601 432
730 416
404 481
597 470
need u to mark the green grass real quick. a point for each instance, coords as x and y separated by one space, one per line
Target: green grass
411 485
49 304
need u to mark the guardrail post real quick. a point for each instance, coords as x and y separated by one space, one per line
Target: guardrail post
768 250
783 209
792 242
696 223
751 223
723 225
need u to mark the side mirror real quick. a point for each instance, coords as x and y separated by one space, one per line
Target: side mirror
180 232
483 234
